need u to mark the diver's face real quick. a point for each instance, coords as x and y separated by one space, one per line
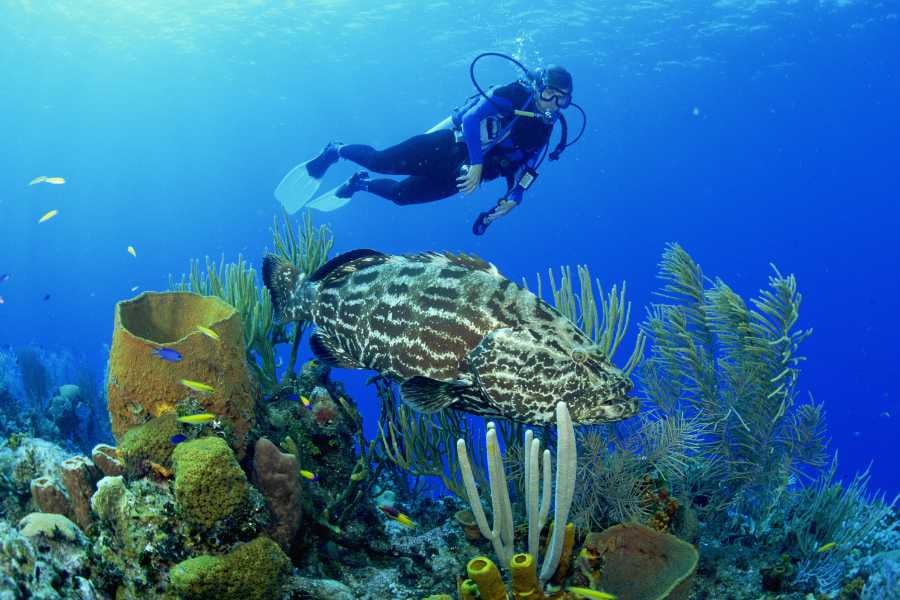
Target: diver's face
552 98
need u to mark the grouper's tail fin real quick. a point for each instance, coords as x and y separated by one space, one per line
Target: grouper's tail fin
283 280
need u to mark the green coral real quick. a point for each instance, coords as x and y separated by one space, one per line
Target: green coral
150 442
209 483
734 366
255 570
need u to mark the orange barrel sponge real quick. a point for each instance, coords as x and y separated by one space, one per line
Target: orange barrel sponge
644 564
157 346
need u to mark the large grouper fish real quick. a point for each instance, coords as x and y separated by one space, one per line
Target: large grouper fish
452 332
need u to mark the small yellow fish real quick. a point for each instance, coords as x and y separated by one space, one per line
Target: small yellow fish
132 251
405 521
134 288
208 332
396 515
308 475
305 401
827 547
198 419
49 215
55 180
197 386
162 471
40 179
590 594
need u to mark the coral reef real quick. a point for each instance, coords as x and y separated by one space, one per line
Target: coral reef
52 395
280 494
47 559
141 386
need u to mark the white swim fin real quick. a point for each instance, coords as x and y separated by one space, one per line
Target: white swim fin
328 201
337 197
303 181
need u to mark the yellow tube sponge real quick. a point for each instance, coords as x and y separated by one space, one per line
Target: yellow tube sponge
484 573
525 584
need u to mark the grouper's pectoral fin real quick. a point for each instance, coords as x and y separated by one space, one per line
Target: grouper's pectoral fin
430 395
329 351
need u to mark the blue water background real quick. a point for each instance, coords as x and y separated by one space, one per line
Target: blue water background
750 132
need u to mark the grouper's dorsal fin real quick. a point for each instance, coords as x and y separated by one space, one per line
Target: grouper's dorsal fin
347 263
467 261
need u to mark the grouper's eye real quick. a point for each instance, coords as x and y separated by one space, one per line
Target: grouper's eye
579 357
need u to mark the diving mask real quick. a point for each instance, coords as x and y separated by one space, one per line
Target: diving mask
562 99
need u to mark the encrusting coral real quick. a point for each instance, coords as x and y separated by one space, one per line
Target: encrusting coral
253 571
148 443
209 483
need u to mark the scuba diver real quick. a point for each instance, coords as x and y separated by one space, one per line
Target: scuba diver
503 132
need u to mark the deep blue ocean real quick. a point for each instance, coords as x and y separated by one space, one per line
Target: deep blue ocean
750 132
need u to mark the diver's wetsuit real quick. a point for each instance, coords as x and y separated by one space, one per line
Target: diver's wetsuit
433 160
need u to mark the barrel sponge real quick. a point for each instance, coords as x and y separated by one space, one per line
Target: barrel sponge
645 564
141 386
252 571
209 483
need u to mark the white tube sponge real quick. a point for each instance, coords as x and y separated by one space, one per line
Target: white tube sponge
566 456
500 503
532 489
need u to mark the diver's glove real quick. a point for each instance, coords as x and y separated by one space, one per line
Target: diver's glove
504 205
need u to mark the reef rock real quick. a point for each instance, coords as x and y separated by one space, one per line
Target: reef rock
275 475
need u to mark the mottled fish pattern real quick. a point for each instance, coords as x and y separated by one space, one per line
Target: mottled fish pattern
452 331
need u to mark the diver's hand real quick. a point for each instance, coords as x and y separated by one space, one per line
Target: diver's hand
503 207
486 218
469 182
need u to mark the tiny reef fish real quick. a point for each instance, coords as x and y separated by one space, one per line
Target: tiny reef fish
590 594
208 332
168 354
826 547
197 386
48 215
132 251
392 513
308 475
177 439
198 419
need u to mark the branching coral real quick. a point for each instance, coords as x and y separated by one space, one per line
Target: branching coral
607 324
614 464
734 368
829 512
422 444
